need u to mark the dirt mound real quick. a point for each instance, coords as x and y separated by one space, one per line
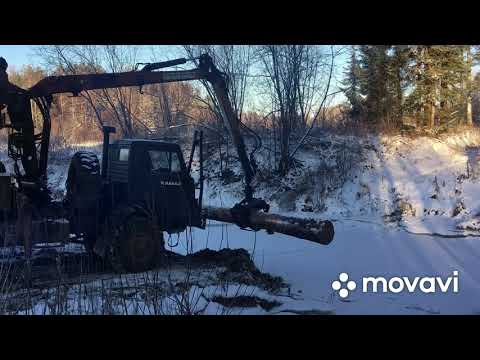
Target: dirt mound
75 283
238 264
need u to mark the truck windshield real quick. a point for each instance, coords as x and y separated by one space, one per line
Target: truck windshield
164 161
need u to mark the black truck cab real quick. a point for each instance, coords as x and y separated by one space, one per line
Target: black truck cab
153 174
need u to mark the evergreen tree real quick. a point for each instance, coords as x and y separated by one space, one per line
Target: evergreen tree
437 75
351 86
432 83
469 85
397 81
374 64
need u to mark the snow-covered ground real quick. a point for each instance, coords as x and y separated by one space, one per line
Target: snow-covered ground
401 206
408 209
362 249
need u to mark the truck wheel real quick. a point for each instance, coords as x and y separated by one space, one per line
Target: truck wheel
83 193
137 245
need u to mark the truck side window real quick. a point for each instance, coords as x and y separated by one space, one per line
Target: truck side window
164 160
159 160
123 155
175 163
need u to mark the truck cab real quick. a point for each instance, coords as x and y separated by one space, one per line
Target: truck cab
153 174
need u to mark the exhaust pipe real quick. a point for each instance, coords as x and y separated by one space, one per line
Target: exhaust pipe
107 130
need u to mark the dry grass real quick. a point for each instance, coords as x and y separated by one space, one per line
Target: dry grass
178 287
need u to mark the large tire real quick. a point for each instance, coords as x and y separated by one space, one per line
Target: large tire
136 246
83 187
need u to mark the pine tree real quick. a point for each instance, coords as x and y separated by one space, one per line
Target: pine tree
438 76
351 86
375 83
374 64
469 85
397 81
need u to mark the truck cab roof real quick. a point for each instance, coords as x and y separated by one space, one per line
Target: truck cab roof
147 142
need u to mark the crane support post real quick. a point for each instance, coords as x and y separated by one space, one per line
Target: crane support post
107 130
218 81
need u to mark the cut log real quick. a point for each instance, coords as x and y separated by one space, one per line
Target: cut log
318 231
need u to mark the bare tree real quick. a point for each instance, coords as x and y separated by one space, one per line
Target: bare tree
117 105
235 62
297 79
168 105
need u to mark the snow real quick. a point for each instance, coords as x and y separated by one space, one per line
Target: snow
404 207
361 249
394 216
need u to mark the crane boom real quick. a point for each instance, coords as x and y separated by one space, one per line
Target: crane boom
35 165
77 83
32 149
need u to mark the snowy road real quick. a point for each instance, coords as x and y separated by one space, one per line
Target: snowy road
362 249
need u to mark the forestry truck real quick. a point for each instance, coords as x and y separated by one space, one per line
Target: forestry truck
120 208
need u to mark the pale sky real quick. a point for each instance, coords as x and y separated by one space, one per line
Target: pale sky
19 55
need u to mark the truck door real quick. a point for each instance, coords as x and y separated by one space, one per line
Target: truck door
168 176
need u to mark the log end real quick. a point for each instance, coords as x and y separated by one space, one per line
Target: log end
324 235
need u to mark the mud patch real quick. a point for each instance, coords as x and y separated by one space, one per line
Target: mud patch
239 267
64 278
245 301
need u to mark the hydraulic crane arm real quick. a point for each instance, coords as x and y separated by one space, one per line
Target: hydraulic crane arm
205 71
32 149
77 83
42 93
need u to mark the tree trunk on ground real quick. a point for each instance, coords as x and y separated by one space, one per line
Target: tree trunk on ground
318 231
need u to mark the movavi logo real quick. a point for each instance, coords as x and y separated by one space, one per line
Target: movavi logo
397 284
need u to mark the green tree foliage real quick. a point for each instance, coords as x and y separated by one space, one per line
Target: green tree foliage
438 75
397 82
430 83
374 83
351 86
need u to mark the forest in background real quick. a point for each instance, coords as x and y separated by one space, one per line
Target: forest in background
283 93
